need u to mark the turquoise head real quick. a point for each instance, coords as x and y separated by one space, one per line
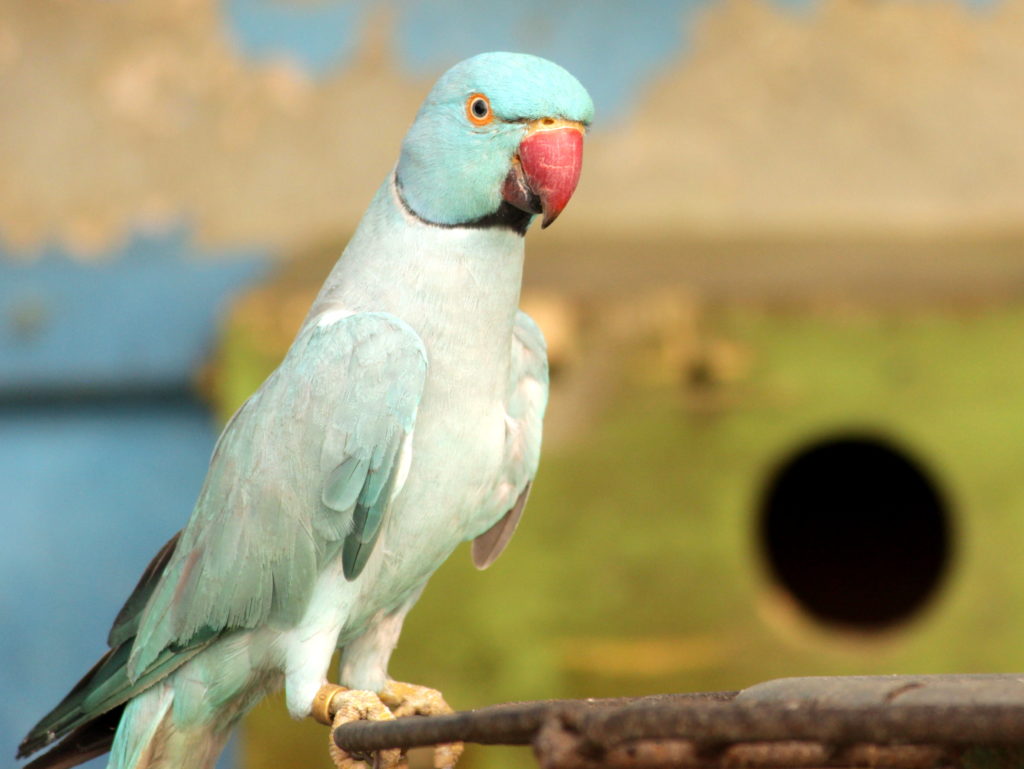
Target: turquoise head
498 139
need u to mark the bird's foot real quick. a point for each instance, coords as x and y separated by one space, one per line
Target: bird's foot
336 705
411 700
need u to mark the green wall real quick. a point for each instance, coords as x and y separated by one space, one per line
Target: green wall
638 567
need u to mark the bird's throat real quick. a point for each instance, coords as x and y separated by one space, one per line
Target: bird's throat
506 216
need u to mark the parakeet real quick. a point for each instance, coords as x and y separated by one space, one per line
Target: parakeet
404 419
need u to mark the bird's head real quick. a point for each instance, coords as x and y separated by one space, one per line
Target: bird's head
499 134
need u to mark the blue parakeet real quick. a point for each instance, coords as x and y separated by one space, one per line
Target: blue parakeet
404 419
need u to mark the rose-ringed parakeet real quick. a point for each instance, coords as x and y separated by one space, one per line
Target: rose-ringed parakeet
404 419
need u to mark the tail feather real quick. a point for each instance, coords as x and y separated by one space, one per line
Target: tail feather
142 721
87 718
89 740
106 687
67 715
150 735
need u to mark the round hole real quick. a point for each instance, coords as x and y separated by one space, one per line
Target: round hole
856 531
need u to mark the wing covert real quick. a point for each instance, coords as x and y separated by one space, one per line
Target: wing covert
526 402
306 468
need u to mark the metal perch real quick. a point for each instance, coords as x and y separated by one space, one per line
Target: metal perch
903 722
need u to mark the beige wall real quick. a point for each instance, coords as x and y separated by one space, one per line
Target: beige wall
863 116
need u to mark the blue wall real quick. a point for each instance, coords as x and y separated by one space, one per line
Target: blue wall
103 444
614 48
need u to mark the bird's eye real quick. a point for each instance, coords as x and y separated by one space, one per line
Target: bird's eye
478 109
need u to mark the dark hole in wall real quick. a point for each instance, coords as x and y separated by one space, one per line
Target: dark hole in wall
856 531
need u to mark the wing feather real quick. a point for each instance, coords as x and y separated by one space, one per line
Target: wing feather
305 467
526 401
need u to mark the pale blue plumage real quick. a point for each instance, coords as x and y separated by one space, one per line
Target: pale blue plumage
439 154
343 400
405 419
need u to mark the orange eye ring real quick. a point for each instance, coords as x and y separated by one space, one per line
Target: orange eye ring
478 109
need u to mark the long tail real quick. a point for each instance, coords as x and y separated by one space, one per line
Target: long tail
87 719
89 740
143 730
142 734
139 735
135 718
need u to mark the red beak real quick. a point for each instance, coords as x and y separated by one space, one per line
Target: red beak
547 168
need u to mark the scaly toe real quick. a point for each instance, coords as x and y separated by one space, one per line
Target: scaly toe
447 755
411 700
343 705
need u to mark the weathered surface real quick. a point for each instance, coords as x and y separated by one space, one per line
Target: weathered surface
903 722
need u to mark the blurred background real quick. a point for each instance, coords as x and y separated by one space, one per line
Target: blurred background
785 312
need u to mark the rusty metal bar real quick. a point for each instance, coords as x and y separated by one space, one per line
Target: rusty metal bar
899 722
513 723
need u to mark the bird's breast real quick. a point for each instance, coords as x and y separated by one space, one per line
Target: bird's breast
458 448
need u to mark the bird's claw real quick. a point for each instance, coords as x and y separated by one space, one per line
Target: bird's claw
411 700
447 754
335 705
